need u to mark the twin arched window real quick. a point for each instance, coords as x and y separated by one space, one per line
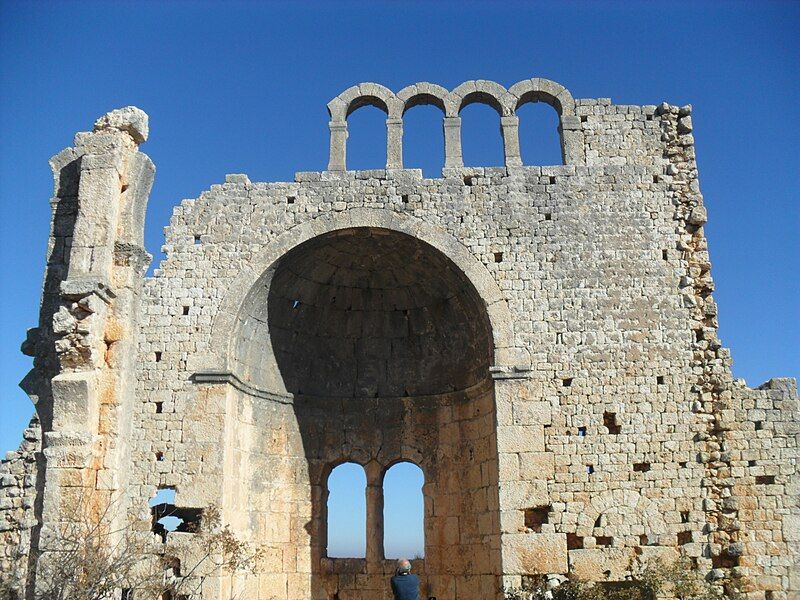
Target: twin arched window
402 515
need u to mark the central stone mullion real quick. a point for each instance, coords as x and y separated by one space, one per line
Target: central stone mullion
374 494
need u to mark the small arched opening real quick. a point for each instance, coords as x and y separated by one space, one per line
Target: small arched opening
403 512
346 512
423 135
481 134
539 134
366 125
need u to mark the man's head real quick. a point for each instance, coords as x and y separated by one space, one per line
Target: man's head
403 566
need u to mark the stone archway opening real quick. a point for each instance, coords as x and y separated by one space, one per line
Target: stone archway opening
379 349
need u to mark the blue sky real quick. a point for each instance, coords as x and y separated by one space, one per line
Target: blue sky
238 87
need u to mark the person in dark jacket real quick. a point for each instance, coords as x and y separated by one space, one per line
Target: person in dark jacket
405 586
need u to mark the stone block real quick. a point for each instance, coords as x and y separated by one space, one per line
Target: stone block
129 119
601 564
532 553
74 400
537 465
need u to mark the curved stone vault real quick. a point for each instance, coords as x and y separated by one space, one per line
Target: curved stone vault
371 313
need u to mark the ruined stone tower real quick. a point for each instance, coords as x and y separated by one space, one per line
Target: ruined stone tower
541 341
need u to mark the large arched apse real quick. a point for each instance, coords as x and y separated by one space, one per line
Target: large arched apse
370 346
364 313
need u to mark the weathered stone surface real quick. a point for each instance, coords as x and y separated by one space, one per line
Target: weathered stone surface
540 340
604 564
535 553
130 119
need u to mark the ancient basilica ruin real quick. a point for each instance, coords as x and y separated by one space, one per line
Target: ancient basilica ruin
540 340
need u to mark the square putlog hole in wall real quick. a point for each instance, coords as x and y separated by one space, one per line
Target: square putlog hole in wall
610 423
498 257
642 467
574 542
724 562
604 541
536 517
684 537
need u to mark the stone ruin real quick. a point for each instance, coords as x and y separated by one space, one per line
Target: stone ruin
540 340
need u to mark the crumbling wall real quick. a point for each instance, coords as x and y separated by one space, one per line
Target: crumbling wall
18 492
82 382
762 447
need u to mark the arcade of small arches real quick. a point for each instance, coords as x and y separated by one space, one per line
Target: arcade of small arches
506 102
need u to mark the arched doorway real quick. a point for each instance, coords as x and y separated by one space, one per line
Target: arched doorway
369 345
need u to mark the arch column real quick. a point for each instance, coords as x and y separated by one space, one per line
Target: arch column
452 143
394 143
374 494
509 126
338 152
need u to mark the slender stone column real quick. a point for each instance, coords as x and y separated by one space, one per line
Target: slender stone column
510 129
338 155
394 143
452 143
374 518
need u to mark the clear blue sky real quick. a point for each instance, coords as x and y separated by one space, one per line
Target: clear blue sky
235 87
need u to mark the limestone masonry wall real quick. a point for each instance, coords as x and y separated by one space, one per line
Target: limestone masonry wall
18 485
540 340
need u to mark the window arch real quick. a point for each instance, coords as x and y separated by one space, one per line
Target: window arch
366 144
481 137
403 512
347 512
423 138
539 135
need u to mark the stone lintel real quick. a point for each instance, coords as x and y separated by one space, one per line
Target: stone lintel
510 372
81 287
